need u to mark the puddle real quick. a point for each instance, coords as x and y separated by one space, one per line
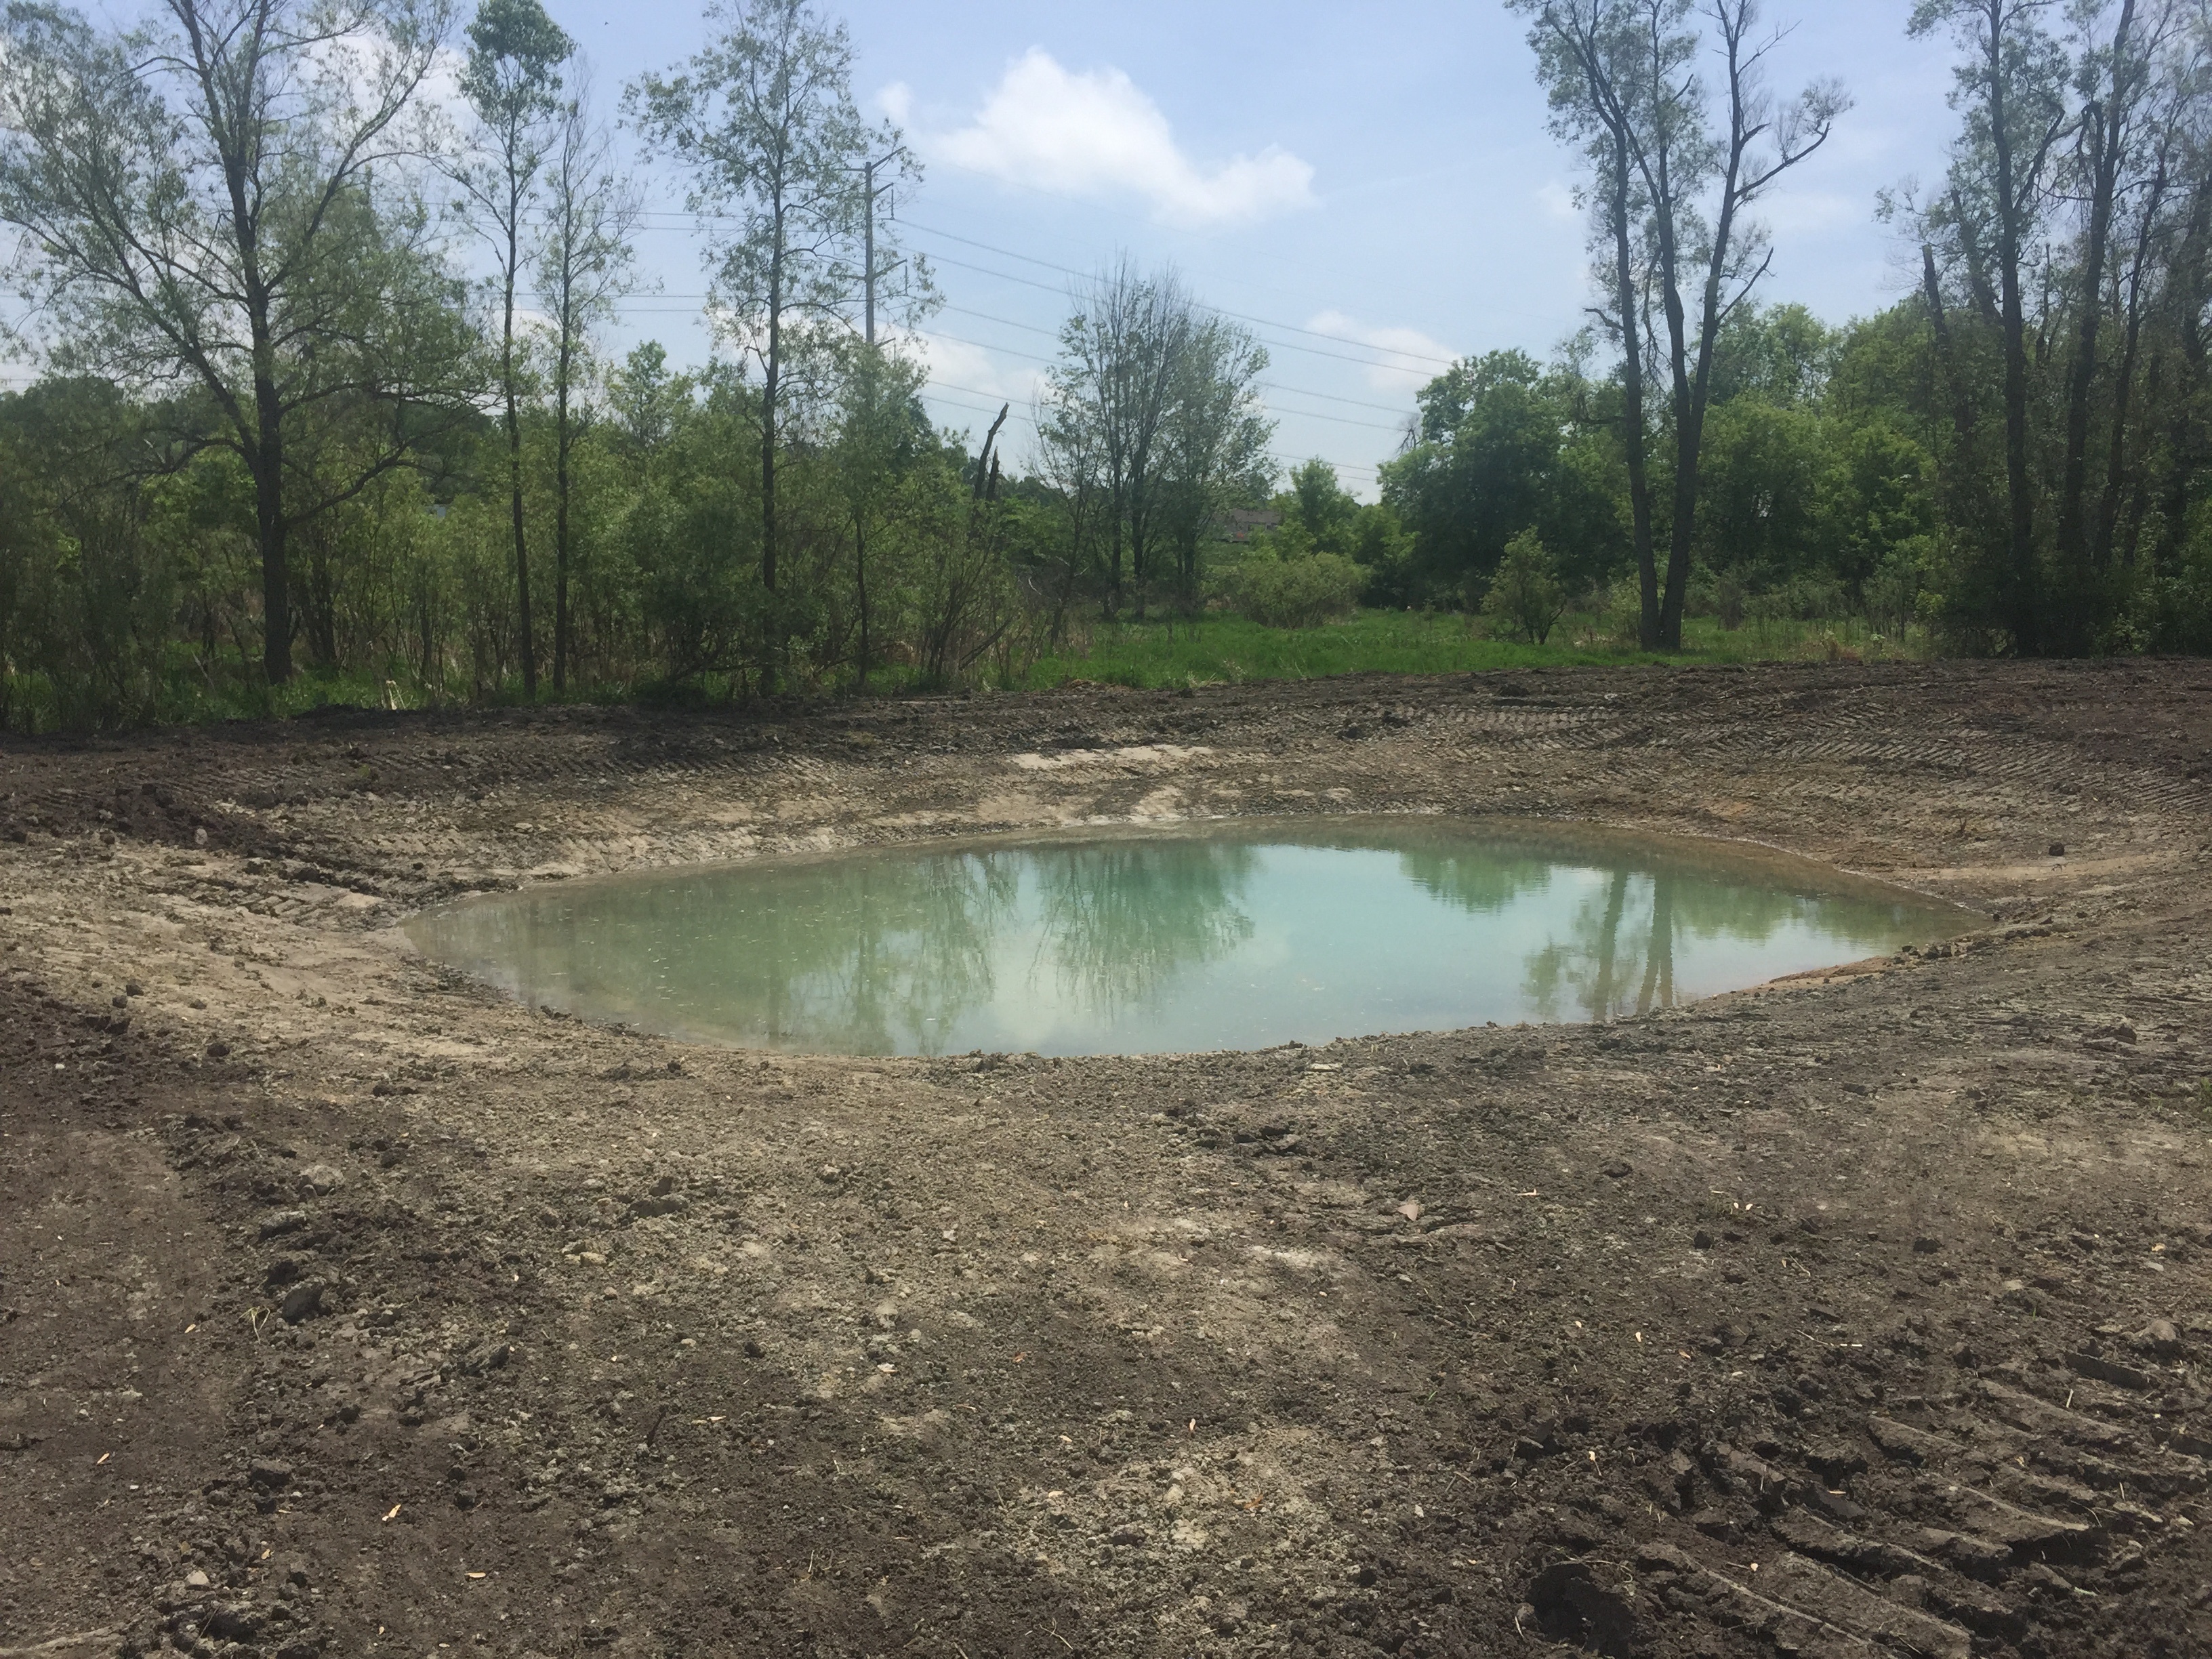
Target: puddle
1239 936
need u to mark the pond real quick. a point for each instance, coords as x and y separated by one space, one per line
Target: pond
1242 935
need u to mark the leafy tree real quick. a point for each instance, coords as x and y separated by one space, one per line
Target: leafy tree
880 435
763 119
1214 456
1320 506
1152 411
585 262
512 82
1502 445
218 197
1525 594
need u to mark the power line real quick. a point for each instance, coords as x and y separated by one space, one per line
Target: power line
1054 334
1242 317
992 408
1280 345
1395 427
1409 357
1308 414
638 309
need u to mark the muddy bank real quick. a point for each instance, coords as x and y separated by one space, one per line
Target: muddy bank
346 1308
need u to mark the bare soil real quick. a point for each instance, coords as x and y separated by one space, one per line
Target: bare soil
346 1308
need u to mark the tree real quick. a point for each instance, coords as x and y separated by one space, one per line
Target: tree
585 262
1111 393
880 434
2011 87
1151 412
1320 507
1525 594
1214 449
1621 80
1736 255
512 82
1499 449
764 119
217 198
1614 68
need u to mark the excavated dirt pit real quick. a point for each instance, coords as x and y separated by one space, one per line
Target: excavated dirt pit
348 1306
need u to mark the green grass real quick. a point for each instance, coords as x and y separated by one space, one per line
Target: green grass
1231 649
1213 650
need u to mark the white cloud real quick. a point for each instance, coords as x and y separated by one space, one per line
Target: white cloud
969 374
1409 359
1557 199
1094 133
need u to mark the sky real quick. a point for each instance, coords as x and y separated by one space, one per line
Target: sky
1371 187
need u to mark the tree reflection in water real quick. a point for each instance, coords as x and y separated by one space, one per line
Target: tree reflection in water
1619 957
891 961
876 955
1479 879
1122 918
1242 935
860 956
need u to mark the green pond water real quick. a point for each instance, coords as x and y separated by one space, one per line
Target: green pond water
1120 942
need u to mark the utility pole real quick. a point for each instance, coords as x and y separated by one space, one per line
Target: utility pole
872 190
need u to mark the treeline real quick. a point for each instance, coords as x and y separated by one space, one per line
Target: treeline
280 428
2015 455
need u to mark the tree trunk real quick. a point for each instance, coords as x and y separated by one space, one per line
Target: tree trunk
2124 383
1114 570
1668 636
267 464
2189 284
2023 607
860 589
561 444
322 600
529 640
771 384
2108 126
1632 432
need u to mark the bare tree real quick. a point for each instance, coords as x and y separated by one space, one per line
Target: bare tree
1593 59
2126 138
1762 142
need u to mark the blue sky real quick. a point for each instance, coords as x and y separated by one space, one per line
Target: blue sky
1378 175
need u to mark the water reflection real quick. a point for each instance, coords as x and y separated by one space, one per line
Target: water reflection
1131 943
1122 919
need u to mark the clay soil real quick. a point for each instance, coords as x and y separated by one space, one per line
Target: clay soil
346 1306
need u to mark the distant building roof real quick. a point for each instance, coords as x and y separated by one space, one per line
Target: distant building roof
1239 522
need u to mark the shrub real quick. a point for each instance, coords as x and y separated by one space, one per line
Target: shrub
1526 594
1296 592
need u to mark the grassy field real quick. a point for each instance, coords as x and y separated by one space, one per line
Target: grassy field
1232 649
1213 650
